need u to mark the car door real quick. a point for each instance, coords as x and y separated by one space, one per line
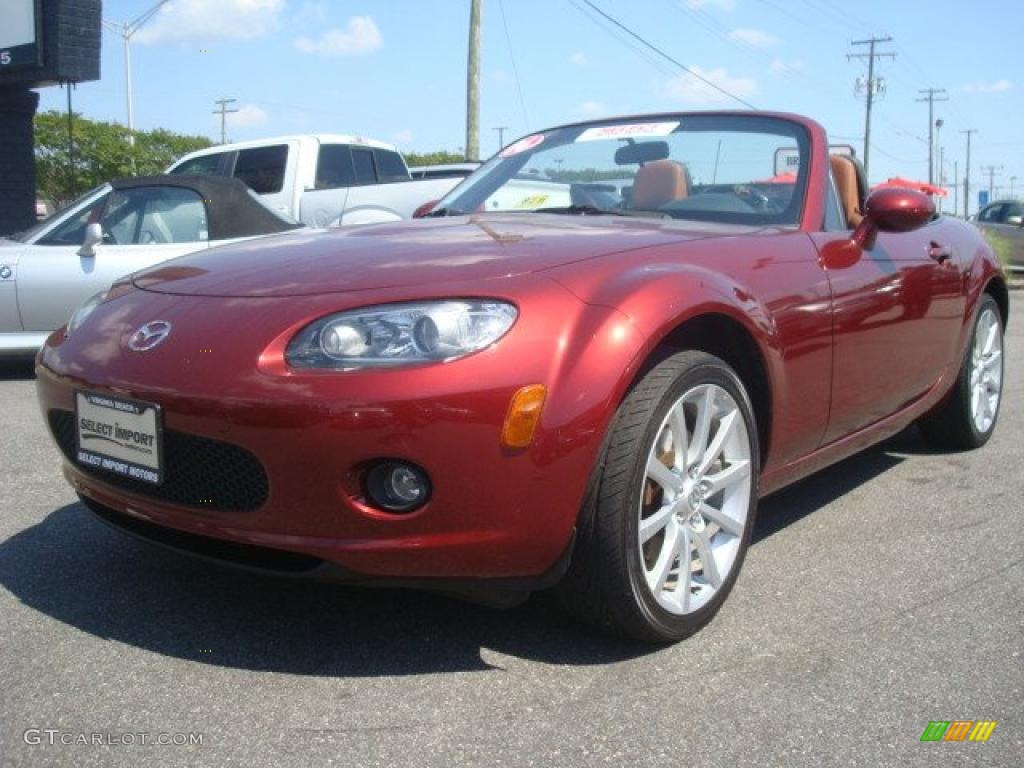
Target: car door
897 315
141 226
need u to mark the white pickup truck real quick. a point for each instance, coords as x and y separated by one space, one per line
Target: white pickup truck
322 179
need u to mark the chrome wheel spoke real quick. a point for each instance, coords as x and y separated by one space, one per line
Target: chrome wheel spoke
991 332
727 478
708 564
652 525
685 585
702 426
677 427
728 524
725 427
662 568
664 476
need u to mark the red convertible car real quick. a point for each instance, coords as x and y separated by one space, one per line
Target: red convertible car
582 370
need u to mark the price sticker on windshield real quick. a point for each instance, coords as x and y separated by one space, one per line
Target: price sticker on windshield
627 131
522 145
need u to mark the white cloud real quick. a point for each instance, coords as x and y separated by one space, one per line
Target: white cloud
778 66
579 59
247 115
980 86
755 37
725 5
360 35
183 20
403 136
689 90
592 109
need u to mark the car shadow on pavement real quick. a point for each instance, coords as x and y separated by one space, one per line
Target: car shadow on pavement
801 499
74 569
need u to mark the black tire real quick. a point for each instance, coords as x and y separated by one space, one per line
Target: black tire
951 425
606 585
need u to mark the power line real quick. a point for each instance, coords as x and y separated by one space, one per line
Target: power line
665 56
644 54
224 112
515 70
871 85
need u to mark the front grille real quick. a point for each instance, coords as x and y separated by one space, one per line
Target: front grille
198 472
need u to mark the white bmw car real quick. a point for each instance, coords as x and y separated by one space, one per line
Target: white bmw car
114 230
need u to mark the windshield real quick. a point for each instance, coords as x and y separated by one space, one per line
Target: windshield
26 235
719 168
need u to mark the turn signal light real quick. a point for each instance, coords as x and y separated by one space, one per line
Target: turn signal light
523 416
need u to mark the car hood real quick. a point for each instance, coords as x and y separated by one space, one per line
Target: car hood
473 248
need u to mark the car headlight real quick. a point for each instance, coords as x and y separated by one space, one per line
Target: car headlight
84 310
401 334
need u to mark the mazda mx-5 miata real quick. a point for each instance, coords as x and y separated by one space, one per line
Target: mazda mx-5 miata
581 371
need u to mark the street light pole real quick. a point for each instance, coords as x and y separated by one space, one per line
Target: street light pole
127 30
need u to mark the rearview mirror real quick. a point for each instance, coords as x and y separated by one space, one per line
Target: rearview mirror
893 210
93 237
644 152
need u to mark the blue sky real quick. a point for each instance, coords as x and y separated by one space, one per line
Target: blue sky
395 69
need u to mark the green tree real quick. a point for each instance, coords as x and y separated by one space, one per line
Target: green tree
101 152
416 159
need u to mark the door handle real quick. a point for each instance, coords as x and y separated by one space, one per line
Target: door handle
940 253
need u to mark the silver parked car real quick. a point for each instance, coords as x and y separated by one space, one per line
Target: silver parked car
1005 219
114 230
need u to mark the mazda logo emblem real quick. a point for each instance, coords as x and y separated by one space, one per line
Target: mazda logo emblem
149 335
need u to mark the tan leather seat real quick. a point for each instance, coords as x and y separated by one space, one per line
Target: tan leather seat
845 174
658 183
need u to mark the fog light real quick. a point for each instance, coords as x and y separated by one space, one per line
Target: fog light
397 486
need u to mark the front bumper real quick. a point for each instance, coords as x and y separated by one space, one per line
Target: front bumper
493 514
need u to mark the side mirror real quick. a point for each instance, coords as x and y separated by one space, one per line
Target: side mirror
93 237
893 210
425 209
1017 221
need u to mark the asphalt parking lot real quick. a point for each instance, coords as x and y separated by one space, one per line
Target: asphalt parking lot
880 595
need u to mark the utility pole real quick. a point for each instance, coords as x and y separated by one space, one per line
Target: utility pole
967 172
991 170
932 95
941 175
224 112
872 85
501 135
956 186
126 30
473 83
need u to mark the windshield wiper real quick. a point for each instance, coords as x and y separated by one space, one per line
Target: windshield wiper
593 210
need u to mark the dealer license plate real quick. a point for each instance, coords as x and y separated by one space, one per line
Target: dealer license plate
119 435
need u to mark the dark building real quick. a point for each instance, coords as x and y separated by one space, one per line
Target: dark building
42 43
